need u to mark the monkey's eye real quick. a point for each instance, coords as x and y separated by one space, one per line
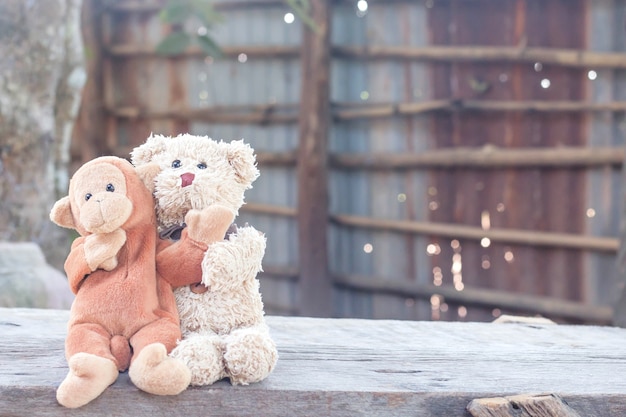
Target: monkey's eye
110 188
201 165
177 164
87 196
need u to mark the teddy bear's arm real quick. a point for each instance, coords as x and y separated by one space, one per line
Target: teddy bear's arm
230 263
76 266
179 263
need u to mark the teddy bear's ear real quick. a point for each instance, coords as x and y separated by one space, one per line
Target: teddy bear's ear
148 173
61 213
144 154
241 157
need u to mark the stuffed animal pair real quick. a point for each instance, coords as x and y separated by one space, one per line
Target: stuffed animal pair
222 317
123 274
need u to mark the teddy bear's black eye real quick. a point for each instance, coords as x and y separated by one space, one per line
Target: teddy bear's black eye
110 188
201 165
176 164
87 196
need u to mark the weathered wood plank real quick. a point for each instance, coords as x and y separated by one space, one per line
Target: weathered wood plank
345 367
315 290
521 406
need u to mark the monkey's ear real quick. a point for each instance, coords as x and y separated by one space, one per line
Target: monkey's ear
148 173
61 213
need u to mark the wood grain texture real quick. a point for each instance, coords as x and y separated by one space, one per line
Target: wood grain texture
315 289
521 406
345 367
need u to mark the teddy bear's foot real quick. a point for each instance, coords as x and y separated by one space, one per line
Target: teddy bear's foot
250 356
203 356
88 377
154 372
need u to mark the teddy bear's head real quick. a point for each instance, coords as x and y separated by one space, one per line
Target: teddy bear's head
194 172
101 195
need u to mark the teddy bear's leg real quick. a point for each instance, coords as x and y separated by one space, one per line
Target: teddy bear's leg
250 355
151 370
202 353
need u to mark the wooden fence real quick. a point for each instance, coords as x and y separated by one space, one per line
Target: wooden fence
445 159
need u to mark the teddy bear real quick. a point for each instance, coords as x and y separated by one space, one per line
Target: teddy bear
222 317
124 313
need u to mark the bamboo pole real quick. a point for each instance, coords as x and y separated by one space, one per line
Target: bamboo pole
259 116
285 113
563 57
459 231
358 111
130 111
139 6
287 158
547 306
268 209
261 52
284 273
386 110
539 106
487 157
485 298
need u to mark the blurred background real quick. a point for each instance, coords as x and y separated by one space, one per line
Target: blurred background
420 159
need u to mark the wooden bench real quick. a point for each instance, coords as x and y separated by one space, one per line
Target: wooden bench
349 367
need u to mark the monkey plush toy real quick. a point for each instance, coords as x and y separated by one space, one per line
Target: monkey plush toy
124 313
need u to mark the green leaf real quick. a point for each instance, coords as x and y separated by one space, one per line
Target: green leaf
209 46
173 44
176 12
299 4
205 11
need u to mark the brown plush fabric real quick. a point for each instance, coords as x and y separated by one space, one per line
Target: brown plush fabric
180 262
131 302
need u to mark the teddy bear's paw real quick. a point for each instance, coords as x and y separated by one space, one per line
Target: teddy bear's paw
154 372
88 377
251 241
203 356
229 263
210 224
250 357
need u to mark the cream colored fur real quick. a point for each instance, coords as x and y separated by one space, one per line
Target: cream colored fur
224 331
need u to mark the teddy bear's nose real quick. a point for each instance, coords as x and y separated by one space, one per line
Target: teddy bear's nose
187 178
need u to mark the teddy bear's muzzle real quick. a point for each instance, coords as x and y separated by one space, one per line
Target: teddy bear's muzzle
187 179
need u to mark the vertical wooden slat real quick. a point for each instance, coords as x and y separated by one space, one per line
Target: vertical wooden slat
619 315
108 83
315 285
87 136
